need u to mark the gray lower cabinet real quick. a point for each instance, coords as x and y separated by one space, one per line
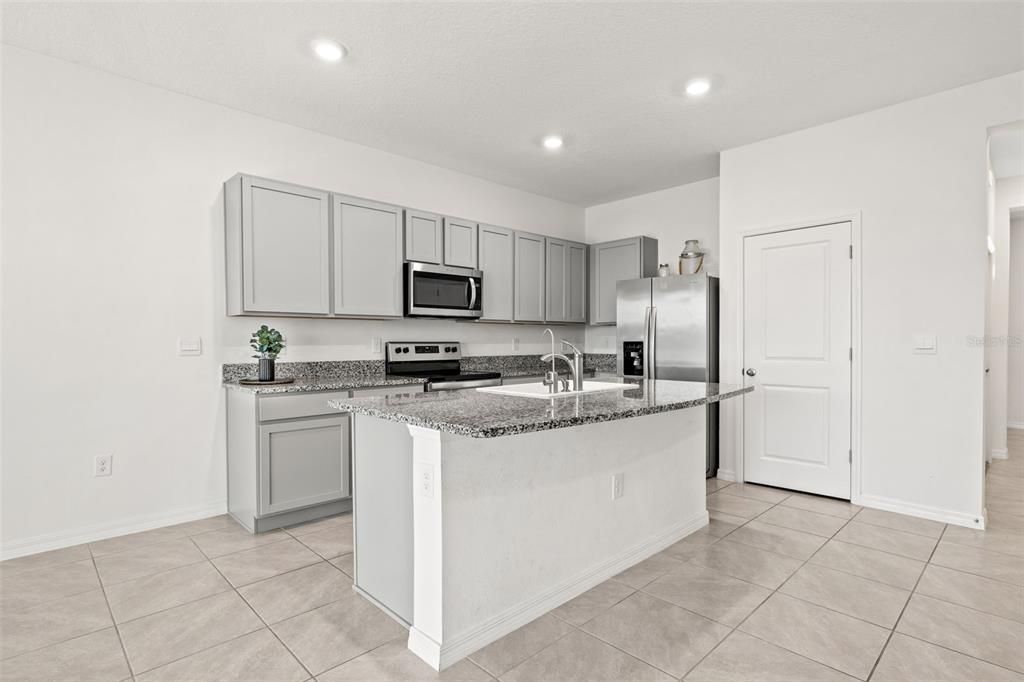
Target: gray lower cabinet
566 281
611 262
303 463
367 258
460 237
496 258
423 237
289 458
277 247
529 277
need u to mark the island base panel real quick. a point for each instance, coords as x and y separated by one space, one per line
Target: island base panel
505 529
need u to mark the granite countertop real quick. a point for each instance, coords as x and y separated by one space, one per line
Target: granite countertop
488 415
326 383
349 374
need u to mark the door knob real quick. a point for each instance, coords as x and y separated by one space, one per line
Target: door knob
751 372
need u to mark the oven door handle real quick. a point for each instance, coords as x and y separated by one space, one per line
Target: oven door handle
460 385
472 293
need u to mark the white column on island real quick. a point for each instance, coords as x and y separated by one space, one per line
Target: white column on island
427 632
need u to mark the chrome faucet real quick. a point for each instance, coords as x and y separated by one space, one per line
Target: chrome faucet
552 380
577 366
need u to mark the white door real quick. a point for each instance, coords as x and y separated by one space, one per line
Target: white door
796 354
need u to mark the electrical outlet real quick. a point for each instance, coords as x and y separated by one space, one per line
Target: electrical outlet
102 465
617 482
425 479
515 343
376 345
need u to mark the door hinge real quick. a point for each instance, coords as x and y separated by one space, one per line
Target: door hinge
851 354
851 456
851 251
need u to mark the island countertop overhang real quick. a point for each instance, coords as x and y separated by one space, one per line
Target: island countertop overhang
477 414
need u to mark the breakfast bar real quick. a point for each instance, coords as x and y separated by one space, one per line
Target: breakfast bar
477 512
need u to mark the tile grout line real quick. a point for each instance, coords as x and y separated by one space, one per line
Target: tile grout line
260 618
113 621
903 610
736 627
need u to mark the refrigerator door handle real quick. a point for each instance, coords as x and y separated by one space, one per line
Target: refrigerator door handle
647 341
653 335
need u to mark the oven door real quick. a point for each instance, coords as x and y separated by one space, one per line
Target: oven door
441 291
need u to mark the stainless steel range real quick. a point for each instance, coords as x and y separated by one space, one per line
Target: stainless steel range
435 361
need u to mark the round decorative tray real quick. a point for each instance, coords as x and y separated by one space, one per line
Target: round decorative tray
257 382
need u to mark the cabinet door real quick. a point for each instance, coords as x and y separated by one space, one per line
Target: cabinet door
285 248
609 263
576 283
529 280
367 258
460 243
422 237
497 260
303 463
555 301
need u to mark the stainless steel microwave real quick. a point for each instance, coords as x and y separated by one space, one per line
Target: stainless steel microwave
442 291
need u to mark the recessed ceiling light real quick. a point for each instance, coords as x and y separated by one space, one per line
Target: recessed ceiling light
329 50
698 87
552 142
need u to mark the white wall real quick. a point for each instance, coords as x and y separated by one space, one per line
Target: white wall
113 247
671 216
1008 194
916 174
1015 373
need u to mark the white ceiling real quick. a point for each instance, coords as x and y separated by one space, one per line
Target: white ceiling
474 86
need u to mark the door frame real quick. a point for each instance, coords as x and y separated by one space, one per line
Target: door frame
854 218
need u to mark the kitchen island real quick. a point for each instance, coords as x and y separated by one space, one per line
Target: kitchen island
476 513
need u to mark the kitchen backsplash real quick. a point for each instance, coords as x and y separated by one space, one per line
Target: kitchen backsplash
506 364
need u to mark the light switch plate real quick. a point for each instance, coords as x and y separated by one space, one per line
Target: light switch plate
925 344
190 345
376 345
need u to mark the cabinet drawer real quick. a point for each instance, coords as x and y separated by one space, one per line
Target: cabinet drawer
386 390
294 405
303 463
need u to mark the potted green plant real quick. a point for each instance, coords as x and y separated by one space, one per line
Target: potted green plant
267 343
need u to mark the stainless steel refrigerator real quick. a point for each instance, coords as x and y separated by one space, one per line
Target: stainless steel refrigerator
667 328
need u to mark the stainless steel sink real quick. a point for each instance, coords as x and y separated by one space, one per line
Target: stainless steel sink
539 390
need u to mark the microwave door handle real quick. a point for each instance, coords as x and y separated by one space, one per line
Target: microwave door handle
472 293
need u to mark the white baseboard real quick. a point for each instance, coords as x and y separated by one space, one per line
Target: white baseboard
102 531
465 643
1015 425
976 521
1000 453
726 475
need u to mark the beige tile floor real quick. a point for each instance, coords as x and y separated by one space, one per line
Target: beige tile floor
779 586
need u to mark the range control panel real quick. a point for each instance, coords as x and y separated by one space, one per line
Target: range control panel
417 350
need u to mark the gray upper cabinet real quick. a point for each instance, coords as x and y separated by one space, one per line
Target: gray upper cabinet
423 237
367 258
460 243
611 262
529 277
566 281
497 261
576 283
555 308
277 246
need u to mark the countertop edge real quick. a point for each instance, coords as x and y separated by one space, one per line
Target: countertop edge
498 432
